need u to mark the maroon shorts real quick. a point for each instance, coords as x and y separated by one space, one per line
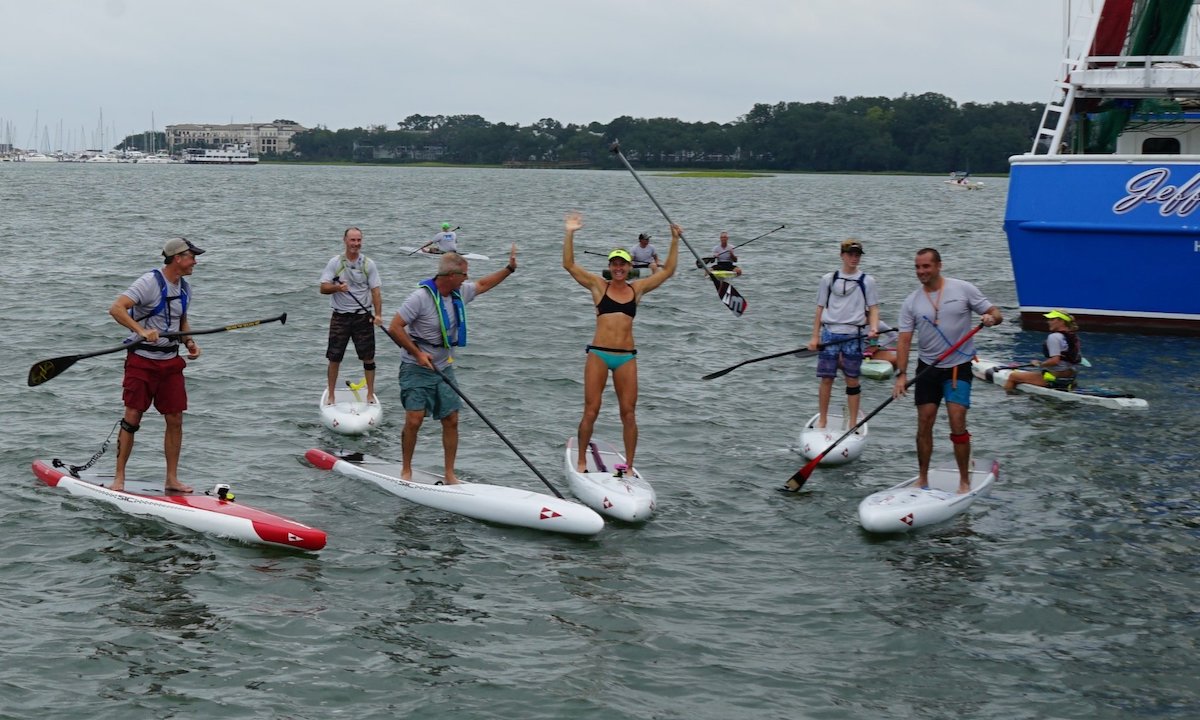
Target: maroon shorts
157 381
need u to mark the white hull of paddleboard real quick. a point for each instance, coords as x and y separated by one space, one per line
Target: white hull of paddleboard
348 416
629 497
491 503
196 511
876 369
997 373
903 507
414 252
813 441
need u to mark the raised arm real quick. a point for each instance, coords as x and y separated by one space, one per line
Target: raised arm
571 223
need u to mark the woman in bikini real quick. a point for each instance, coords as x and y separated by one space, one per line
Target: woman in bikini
612 348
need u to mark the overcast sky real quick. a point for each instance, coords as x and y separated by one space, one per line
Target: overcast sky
356 63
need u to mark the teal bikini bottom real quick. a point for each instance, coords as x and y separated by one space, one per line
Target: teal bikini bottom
612 357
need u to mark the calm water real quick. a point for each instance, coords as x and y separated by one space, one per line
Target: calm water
1071 593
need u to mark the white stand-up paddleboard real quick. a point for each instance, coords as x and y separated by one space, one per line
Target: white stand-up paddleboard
214 513
414 252
491 503
997 374
814 440
350 413
876 369
903 507
606 487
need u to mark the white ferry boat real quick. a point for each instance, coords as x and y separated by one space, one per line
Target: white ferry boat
228 154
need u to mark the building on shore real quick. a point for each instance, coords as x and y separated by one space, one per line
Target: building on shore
262 138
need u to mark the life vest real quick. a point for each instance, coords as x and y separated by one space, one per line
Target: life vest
1072 354
164 302
460 313
344 265
862 285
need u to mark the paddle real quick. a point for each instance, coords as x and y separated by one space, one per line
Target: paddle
728 293
731 368
482 417
801 475
414 252
52 368
735 247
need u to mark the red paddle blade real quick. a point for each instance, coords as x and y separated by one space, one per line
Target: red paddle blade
795 482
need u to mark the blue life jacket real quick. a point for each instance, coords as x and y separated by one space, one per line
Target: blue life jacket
460 313
164 306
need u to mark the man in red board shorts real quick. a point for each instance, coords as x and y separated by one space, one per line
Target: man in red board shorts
157 302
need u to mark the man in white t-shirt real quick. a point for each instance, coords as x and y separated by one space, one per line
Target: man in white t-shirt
444 242
847 312
644 255
941 313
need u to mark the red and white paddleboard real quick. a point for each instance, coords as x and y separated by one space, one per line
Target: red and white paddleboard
493 503
198 511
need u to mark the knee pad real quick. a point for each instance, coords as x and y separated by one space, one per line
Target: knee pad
963 439
129 427
369 366
853 390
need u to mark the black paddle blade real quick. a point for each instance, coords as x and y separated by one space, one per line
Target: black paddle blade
50 369
730 296
795 482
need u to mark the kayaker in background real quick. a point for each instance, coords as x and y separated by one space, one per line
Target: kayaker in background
940 312
723 257
157 302
446 241
429 325
612 348
1063 356
882 347
847 311
352 273
644 255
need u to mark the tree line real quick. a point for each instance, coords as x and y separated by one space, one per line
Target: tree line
926 133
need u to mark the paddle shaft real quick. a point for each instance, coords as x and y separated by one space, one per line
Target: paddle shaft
726 371
52 368
414 252
482 417
728 294
801 475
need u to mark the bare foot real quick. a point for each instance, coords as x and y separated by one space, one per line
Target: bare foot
176 486
450 479
372 400
118 485
330 398
406 474
581 469
964 489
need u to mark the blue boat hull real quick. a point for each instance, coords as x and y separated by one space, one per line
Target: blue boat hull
1114 240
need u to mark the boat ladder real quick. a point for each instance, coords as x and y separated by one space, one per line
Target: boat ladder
1080 34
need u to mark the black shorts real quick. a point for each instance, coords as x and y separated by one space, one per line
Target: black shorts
344 327
941 383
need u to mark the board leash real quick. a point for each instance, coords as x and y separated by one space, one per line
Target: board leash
76 469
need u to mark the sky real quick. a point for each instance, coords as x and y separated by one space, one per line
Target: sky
357 63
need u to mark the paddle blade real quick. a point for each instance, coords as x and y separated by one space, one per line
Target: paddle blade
719 373
730 296
796 481
50 369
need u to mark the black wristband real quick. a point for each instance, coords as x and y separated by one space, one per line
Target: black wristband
509 267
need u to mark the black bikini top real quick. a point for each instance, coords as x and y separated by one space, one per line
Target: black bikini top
607 305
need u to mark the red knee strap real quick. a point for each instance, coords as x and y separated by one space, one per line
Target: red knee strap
963 439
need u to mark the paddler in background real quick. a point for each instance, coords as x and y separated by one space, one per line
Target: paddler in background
723 256
1063 356
446 241
429 325
643 254
847 312
157 302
